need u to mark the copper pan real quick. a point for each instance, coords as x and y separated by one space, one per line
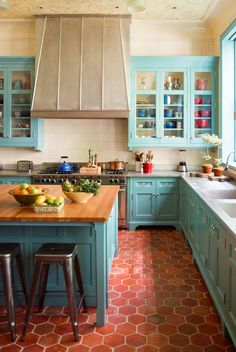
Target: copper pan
117 165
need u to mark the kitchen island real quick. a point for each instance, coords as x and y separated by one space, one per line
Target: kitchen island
92 225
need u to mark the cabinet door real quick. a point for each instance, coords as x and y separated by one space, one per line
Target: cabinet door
231 285
203 103
16 87
173 125
145 106
3 103
220 264
167 199
143 199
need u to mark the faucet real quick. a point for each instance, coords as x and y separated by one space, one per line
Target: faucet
227 160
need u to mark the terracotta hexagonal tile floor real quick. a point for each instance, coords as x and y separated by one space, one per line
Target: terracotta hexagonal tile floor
158 302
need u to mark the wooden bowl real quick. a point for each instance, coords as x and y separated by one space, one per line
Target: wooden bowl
78 197
26 199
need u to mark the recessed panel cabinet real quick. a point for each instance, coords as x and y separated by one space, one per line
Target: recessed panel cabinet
152 201
214 250
17 129
173 100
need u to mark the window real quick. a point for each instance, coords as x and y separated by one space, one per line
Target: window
228 92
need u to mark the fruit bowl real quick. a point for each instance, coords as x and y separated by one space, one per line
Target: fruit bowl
26 199
78 197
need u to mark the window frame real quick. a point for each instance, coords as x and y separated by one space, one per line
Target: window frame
228 92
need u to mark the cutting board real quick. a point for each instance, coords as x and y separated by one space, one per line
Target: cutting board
200 174
90 170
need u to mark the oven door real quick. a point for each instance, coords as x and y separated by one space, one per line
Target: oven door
122 208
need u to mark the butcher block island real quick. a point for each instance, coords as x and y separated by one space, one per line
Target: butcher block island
92 225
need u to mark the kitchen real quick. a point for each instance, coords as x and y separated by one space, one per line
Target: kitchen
109 137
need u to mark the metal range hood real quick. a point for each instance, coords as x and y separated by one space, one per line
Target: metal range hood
82 66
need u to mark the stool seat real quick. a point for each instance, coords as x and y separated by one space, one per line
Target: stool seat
64 254
9 252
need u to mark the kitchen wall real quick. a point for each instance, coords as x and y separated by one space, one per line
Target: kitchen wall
107 137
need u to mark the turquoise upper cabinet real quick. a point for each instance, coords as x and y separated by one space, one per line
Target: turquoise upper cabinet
203 103
173 100
17 129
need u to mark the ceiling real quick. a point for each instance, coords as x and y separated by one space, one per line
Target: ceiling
167 10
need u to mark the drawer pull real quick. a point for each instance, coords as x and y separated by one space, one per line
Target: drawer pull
213 227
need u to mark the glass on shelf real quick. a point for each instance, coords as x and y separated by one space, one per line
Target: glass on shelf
146 80
203 80
21 80
173 81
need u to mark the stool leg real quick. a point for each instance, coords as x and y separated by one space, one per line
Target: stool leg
37 272
68 273
9 296
21 272
79 280
42 290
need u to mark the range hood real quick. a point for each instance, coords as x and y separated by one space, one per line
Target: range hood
82 66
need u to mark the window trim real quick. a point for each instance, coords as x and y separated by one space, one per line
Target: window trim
228 91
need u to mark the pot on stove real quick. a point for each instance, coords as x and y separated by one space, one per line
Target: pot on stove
65 166
117 165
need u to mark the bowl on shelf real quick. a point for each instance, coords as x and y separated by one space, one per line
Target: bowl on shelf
200 123
78 197
206 113
198 100
168 112
26 199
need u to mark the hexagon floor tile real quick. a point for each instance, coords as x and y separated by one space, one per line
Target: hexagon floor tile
157 302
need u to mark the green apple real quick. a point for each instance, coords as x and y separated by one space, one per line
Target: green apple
24 185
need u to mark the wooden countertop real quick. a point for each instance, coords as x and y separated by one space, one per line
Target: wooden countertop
97 209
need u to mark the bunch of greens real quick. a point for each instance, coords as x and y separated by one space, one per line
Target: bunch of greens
82 185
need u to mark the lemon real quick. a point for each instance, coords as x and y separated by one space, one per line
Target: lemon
40 200
50 197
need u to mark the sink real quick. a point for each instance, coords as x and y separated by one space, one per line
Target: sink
220 193
229 208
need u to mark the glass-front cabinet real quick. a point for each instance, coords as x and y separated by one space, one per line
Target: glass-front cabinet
16 89
172 100
173 109
203 103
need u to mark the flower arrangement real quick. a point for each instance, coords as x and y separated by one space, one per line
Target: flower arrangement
216 143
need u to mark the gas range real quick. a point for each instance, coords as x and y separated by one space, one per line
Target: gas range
52 175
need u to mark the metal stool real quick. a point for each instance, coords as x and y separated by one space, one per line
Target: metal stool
8 252
66 255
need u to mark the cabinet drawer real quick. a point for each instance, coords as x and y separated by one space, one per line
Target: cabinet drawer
144 184
167 184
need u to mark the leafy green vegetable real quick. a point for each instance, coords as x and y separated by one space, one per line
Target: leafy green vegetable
82 185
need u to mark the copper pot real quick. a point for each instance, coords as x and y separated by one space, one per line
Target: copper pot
117 165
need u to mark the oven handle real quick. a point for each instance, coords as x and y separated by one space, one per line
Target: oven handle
122 189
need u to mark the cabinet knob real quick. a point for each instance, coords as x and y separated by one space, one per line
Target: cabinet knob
153 195
213 227
157 195
235 249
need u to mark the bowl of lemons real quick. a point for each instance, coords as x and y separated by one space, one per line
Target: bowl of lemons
48 203
27 194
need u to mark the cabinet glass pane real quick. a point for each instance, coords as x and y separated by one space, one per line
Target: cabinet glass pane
1 80
203 80
174 116
145 116
202 114
173 81
1 115
21 80
146 80
21 115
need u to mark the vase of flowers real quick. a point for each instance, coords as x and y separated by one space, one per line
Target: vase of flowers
216 144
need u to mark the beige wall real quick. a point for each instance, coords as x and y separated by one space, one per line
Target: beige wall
107 138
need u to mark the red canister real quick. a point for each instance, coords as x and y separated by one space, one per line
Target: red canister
147 168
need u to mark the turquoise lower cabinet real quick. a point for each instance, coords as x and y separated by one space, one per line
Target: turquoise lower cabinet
214 250
14 180
230 273
152 201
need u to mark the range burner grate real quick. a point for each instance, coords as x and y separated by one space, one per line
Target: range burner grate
115 172
55 171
